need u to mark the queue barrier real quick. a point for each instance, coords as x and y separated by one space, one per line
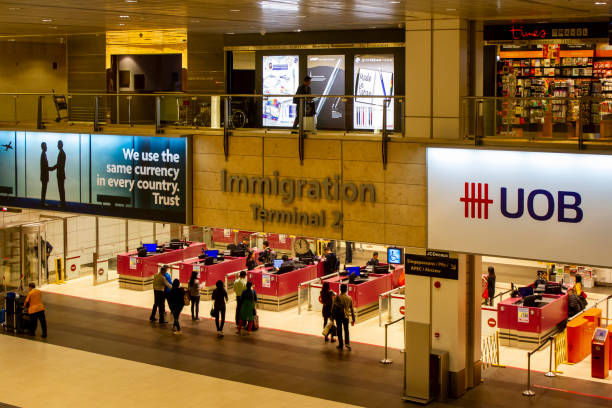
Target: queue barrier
560 350
490 351
386 311
386 360
305 291
550 340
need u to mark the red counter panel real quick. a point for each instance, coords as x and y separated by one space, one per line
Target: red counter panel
532 319
210 274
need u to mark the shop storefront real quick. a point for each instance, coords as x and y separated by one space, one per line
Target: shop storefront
562 74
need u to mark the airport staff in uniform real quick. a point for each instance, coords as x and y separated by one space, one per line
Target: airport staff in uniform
244 245
374 261
287 265
265 256
36 310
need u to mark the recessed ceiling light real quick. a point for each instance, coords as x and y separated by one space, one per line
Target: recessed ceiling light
53 27
299 30
121 24
451 9
46 20
14 8
195 20
372 27
395 2
300 16
11 39
131 1
230 33
234 10
600 3
124 16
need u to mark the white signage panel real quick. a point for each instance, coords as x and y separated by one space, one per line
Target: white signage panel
530 205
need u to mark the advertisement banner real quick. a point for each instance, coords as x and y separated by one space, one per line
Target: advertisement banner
327 73
281 76
374 75
525 205
122 176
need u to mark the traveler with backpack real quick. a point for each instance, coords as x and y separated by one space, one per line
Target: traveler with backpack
194 295
219 296
341 310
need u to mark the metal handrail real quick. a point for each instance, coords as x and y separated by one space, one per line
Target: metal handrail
380 300
386 360
310 282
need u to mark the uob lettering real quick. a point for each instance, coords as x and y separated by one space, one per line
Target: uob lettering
568 205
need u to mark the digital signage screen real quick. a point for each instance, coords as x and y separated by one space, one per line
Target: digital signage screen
374 76
281 76
138 177
327 73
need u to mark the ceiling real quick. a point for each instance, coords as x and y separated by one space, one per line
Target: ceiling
58 17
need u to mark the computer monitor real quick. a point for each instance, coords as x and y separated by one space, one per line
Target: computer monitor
525 291
151 248
212 253
278 263
353 270
395 256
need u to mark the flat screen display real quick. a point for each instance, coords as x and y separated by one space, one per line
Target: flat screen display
281 76
138 177
151 248
278 263
374 76
328 76
395 256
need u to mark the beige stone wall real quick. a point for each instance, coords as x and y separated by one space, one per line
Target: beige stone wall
398 217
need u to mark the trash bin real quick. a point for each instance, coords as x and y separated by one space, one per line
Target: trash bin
438 375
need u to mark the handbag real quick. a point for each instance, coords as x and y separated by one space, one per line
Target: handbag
213 312
186 298
328 328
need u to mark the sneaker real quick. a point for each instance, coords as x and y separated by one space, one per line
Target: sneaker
348 347
339 347
221 334
152 319
163 322
197 318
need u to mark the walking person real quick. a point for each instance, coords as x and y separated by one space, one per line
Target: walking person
342 310
160 285
194 295
239 287
491 278
36 310
219 296
327 300
247 308
176 298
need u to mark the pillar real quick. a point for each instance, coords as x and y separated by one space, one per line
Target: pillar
443 315
436 77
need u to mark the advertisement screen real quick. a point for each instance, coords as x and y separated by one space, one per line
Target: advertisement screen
122 176
373 77
327 73
281 76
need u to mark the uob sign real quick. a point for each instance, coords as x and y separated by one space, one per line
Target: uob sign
531 205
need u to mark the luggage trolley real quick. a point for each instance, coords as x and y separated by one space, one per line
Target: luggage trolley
61 106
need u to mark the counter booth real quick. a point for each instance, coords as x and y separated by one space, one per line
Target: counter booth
364 287
137 268
210 271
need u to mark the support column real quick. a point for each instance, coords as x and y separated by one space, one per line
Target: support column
436 77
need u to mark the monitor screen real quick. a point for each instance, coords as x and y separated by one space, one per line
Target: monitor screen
353 270
278 263
395 256
212 252
600 335
151 248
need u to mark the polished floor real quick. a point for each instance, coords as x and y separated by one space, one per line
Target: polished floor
104 354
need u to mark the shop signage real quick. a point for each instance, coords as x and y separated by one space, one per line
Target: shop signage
553 31
529 205
445 268
290 189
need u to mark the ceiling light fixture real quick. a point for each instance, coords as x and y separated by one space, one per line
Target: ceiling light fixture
600 3
270 5
124 16
230 33
195 21
121 24
451 9
14 8
53 27
46 20
235 10
395 2
299 30
131 1
300 16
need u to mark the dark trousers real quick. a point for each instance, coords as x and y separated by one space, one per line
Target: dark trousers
43 192
159 303
176 325
62 191
220 323
343 323
34 317
195 306
238 306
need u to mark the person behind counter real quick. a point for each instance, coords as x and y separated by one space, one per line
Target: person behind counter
374 261
219 296
491 278
578 286
327 299
176 299
250 261
331 262
575 303
541 280
239 287
247 308
266 256
341 310
160 285
287 265
36 310
244 244
194 295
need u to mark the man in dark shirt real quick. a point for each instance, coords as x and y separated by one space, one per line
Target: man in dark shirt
44 173
60 166
287 265
244 245
266 256
303 89
374 261
330 261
